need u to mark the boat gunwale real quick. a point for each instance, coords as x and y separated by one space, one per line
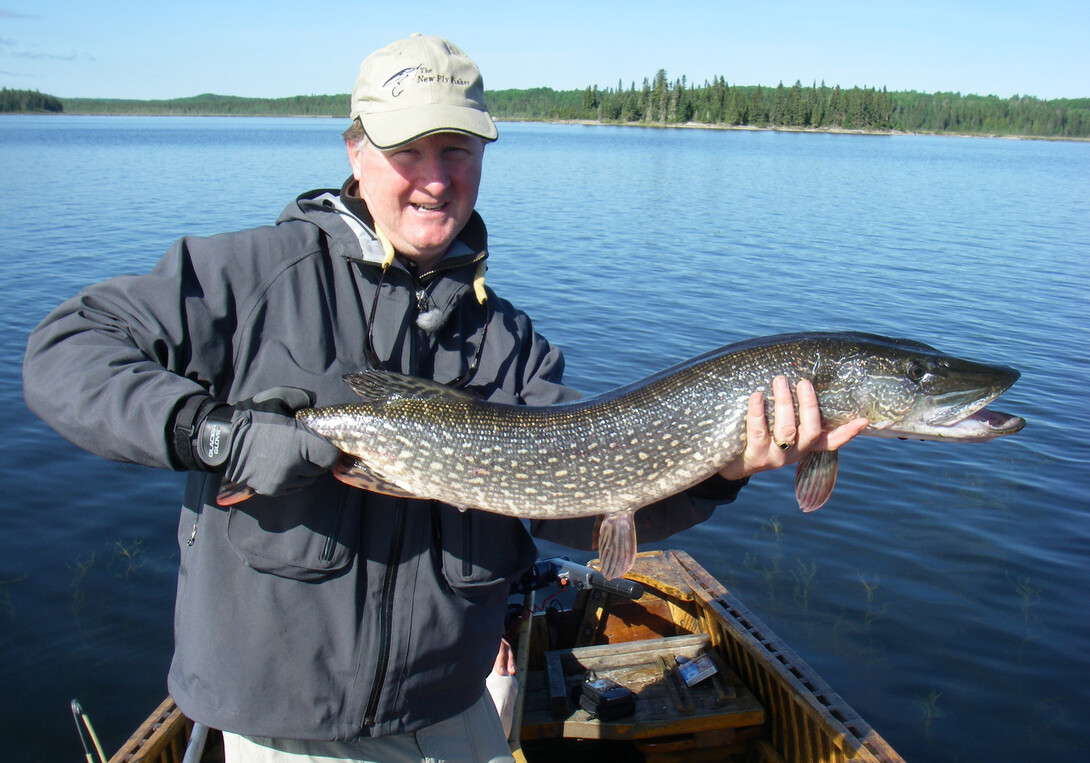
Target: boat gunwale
786 677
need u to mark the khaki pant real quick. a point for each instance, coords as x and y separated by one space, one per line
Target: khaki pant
474 736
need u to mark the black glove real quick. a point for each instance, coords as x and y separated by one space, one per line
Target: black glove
256 443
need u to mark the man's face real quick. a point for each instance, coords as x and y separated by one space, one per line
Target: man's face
420 194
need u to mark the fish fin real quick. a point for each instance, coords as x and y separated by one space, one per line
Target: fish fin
617 544
815 476
231 493
352 471
381 386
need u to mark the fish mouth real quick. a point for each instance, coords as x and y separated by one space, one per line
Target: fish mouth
948 408
960 415
953 407
980 426
1003 423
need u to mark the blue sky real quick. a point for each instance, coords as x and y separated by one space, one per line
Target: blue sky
148 49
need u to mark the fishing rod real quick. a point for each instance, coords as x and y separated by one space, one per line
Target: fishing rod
83 721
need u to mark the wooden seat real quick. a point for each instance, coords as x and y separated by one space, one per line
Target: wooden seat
665 706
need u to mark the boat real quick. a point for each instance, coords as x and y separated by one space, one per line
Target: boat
696 676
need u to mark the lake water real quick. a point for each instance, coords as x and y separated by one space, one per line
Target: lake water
942 591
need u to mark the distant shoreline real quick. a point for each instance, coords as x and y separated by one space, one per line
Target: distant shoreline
810 130
662 103
831 130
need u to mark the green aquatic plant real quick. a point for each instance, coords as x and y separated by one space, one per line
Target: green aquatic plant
773 526
804 577
79 574
1029 596
929 709
769 573
129 557
870 587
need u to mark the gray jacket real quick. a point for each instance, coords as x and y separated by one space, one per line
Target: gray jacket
330 612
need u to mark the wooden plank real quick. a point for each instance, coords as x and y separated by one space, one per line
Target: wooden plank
626 620
593 602
637 666
655 569
559 704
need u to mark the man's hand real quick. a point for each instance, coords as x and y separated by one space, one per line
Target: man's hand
260 447
785 442
505 659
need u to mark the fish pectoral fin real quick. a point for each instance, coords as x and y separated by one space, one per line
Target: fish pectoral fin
381 386
352 471
617 544
815 477
349 469
231 493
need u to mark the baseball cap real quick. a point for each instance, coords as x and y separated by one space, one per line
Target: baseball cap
417 86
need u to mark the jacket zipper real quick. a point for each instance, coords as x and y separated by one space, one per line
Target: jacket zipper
467 544
332 534
389 583
386 614
193 533
198 511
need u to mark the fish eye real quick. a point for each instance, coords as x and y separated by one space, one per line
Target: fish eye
915 370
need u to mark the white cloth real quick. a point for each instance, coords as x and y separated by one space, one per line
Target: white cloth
504 691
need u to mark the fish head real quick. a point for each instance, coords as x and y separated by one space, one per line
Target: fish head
910 390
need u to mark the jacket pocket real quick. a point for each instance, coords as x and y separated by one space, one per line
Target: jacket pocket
479 549
307 535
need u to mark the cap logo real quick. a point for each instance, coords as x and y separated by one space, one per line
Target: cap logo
423 74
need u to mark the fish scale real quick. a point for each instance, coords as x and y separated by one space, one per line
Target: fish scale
614 453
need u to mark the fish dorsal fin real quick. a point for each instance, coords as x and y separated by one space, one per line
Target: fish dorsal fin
382 386
815 477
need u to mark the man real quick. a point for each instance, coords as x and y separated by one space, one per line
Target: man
315 620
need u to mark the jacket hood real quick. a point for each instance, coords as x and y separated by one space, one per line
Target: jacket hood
344 217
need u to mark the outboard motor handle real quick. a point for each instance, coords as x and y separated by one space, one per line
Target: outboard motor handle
561 570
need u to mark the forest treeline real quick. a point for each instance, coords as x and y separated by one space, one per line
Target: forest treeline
216 105
661 101
28 100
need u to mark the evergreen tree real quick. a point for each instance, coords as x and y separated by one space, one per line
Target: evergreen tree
757 112
658 98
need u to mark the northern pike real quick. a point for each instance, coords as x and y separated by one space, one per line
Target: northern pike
616 452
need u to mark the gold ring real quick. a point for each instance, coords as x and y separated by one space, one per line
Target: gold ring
783 445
